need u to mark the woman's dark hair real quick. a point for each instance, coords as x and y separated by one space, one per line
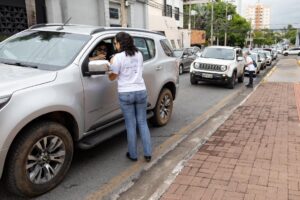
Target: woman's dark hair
126 43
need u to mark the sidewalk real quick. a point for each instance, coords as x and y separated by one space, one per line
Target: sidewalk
254 155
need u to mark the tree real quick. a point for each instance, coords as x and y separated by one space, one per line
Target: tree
237 28
291 33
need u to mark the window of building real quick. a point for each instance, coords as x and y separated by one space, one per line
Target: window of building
168 10
176 13
114 13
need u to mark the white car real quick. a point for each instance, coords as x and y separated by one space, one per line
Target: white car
218 64
292 51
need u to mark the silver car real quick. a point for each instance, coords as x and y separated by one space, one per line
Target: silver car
52 98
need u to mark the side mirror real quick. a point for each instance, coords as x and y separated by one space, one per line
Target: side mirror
240 59
97 67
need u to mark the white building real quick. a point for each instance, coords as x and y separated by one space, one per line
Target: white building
165 16
259 16
97 12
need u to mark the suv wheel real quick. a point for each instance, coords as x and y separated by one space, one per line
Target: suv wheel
285 54
39 160
163 108
231 83
241 78
180 69
192 80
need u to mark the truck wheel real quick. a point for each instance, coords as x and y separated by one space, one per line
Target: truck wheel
231 83
163 108
180 69
39 159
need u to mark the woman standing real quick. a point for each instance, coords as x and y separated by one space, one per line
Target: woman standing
127 68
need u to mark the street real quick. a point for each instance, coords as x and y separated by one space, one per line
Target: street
105 168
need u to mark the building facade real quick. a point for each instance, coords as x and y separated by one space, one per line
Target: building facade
166 16
97 12
17 15
259 16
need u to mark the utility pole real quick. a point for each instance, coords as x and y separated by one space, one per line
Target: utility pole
123 13
190 7
225 36
212 23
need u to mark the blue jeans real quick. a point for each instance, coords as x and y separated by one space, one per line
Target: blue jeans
134 108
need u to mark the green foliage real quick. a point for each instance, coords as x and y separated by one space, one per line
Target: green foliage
237 28
290 33
3 37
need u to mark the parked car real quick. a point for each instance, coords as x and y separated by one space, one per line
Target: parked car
185 58
52 98
269 58
272 53
196 51
292 51
256 58
218 64
263 58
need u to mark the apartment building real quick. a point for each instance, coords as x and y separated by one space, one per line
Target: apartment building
259 16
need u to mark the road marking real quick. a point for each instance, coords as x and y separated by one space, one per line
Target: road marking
125 179
269 74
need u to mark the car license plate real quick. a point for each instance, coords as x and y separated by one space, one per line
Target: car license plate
207 75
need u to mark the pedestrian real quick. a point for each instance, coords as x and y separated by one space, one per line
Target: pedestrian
127 67
250 67
100 52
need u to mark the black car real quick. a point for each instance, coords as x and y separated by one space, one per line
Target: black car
185 58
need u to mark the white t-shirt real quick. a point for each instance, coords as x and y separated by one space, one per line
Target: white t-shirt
130 72
250 67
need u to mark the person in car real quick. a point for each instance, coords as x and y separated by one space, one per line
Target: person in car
250 67
100 52
127 68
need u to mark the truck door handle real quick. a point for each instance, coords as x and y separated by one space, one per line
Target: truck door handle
159 67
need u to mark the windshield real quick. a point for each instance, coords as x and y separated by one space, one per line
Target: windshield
218 53
267 53
177 53
44 50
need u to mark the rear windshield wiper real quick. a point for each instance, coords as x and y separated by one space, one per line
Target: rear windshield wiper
21 64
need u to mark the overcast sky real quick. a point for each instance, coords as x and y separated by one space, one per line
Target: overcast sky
283 12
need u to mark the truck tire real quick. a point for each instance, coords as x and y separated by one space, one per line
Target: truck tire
163 109
231 83
39 159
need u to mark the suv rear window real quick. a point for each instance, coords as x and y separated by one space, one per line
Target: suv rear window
146 47
167 47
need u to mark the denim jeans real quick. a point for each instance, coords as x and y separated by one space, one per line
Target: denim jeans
134 108
251 73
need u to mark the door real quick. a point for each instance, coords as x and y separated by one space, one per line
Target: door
101 95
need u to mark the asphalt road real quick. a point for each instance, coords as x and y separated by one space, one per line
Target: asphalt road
92 169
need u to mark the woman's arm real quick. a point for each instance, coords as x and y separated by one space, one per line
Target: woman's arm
112 76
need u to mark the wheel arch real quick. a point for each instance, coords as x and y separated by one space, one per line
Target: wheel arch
64 118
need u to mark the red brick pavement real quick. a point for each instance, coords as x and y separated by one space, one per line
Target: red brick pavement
254 155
